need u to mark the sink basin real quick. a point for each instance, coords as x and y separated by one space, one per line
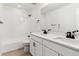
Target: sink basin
64 38
53 35
68 40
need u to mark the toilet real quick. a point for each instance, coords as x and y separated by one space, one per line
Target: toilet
26 47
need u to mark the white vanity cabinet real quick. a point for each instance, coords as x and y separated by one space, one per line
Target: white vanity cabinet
49 52
38 49
45 47
35 46
60 49
32 48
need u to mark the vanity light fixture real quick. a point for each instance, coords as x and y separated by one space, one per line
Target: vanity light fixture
19 6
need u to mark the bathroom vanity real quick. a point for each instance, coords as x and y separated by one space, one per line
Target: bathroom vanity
53 45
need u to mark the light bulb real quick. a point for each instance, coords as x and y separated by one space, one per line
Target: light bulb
18 5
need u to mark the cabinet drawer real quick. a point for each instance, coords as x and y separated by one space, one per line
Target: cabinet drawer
38 39
60 49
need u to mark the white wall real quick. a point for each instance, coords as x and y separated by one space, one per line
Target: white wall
64 16
16 23
14 29
36 15
1 7
17 26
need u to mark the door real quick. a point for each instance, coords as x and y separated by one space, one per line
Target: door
38 49
48 52
32 48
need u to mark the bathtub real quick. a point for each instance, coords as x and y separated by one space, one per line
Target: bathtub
10 45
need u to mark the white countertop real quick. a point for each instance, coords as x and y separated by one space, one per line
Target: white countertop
53 37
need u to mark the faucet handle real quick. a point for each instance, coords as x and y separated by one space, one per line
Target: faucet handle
77 30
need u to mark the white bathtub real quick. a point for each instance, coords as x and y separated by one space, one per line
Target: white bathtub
10 45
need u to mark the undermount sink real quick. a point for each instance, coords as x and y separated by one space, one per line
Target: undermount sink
68 40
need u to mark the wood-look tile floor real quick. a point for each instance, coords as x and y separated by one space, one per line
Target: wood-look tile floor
18 52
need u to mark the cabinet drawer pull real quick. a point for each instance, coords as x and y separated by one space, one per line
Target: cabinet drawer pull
34 44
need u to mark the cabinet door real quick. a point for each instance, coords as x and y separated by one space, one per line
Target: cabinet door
38 49
32 49
48 52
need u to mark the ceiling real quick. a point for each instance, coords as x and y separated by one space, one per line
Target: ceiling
45 7
25 6
52 7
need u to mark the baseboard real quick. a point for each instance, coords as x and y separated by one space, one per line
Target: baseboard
30 53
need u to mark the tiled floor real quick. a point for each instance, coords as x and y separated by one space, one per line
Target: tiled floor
19 52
